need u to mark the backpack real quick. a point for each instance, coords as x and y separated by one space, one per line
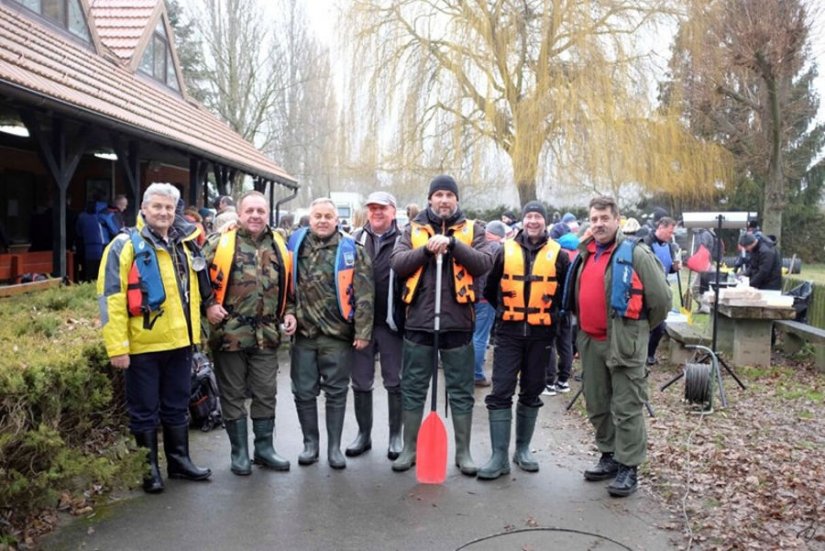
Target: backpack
204 406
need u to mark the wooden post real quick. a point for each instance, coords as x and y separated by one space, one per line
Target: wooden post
61 153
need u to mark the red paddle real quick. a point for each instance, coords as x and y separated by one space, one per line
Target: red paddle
431 456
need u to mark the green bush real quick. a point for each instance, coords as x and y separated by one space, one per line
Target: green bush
62 422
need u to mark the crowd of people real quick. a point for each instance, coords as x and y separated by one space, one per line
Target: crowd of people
547 288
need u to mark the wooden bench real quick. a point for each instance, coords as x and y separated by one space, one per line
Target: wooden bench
682 335
21 288
13 265
797 334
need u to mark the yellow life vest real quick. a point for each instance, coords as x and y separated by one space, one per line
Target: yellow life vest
462 280
221 267
542 279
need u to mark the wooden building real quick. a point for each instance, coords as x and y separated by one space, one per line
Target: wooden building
93 104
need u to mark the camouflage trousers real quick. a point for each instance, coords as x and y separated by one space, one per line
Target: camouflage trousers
615 398
322 363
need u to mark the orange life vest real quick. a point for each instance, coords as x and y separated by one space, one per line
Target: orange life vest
221 267
542 278
462 280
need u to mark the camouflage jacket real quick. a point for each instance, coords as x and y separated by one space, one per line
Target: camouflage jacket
251 296
314 302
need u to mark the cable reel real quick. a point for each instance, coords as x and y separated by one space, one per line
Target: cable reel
699 383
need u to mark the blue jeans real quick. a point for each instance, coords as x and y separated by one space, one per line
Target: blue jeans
485 316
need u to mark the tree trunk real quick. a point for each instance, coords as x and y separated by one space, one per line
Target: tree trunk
774 193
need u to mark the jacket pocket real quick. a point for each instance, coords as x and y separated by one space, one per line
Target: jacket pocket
628 341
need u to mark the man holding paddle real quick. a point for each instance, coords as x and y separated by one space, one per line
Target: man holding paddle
439 317
526 285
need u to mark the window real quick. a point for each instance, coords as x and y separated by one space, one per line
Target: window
64 13
157 58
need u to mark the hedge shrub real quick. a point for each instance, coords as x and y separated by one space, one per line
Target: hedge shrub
63 436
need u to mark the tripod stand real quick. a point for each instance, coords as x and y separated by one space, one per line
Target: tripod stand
714 354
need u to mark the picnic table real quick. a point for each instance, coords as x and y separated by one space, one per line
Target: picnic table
744 332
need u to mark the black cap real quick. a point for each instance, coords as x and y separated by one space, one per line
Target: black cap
443 182
534 206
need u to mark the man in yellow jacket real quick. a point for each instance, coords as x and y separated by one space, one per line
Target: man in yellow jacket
150 286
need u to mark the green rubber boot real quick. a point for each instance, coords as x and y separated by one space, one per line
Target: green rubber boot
462 425
335 426
499 464
411 422
363 414
265 454
308 417
238 439
525 423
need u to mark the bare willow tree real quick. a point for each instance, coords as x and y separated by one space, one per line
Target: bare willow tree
244 63
303 118
735 67
546 81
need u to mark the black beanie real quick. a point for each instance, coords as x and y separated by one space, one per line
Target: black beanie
534 206
747 239
444 182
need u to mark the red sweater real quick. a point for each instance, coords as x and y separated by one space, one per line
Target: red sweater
592 306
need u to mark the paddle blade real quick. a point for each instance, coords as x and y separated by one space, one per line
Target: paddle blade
431 451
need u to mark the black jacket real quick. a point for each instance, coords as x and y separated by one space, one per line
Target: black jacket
492 291
765 266
380 250
476 259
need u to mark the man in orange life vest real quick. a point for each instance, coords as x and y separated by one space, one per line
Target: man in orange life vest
331 304
439 229
150 293
525 285
618 292
250 269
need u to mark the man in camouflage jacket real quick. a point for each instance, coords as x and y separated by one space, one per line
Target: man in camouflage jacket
332 319
244 335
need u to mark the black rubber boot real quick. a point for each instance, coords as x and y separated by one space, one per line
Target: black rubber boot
308 417
178 462
412 423
626 482
152 481
363 414
606 468
462 425
265 454
525 425
239 441
499 464
394 413
335 426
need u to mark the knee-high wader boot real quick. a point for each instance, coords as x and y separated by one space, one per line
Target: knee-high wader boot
525 424
363 414
239 442
499 464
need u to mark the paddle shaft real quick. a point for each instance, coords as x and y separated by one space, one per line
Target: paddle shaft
439 263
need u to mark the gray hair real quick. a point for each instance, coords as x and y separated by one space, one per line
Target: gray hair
165 190
327 200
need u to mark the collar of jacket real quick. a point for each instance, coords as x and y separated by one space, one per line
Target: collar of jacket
390 232
524 241
428 217
583 246
321 243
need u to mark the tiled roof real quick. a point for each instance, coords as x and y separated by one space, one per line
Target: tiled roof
120 24
42 62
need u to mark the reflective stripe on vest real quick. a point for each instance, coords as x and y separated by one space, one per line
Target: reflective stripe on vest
542 278
627 292
462 280
344 270
221 267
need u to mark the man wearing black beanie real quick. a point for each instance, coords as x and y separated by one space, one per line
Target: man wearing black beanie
440 229
525 284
